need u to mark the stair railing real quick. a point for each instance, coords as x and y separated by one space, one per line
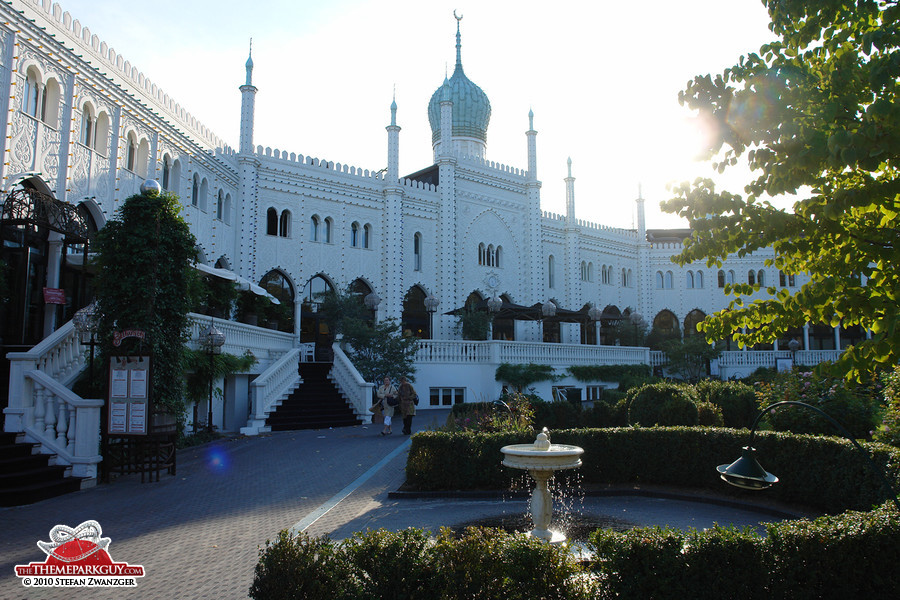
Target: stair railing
274 384
351 384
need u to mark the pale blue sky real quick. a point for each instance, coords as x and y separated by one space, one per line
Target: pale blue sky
602 79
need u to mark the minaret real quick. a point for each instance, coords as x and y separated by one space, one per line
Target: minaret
248 193
572 266
534 252
532 147
248 101
392 272
448 291
570 197
643 276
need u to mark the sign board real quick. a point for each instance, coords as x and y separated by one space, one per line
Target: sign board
129 395
54 296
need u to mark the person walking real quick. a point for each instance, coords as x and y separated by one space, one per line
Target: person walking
387 394
408 401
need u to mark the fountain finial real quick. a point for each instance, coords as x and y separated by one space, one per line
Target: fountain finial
543 440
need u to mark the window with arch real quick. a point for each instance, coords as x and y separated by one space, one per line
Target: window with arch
284 224
482 254
604 275
101 134
131 150
227 215
271 221
761 277
660 282
417 252
698 281
50 103
689 280
354 235
328 227
628 280
220 205
551 275
497 254
590 271
166 171
367 236
721 278
490 255
692 320
583 271
195 191
31 97
729 277
751 277
314 228
204 193
88 126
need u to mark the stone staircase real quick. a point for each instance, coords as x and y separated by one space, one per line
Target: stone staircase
26 476
315 404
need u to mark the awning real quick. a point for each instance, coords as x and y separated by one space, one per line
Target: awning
517 312
242 283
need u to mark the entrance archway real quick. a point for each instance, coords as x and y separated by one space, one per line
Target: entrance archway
313 327
414 321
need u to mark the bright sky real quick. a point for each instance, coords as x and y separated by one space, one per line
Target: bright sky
601 77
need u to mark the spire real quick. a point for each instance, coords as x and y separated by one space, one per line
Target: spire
530 119
394 108
570 166
458 43
249 65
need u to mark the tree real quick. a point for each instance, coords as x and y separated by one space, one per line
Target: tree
815 115
378 350
473 324
144 275
689 356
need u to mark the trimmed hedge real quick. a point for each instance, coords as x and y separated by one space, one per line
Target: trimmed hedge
823 473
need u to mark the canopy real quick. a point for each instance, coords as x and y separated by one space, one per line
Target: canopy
509 310
242 283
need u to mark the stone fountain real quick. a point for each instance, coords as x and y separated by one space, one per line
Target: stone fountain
541 459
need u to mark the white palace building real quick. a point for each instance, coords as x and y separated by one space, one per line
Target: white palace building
83 130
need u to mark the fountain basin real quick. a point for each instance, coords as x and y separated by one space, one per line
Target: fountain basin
555 458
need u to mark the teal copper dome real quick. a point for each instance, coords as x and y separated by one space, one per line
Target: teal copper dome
471 107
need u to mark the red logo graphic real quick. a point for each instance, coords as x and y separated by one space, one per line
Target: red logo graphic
78 557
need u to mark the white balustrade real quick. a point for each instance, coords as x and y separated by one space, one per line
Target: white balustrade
351 384
275 383
266 344
495 351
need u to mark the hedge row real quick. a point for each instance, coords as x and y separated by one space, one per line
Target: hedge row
823 473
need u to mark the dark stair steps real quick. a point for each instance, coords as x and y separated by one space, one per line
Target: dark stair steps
315 404
26 477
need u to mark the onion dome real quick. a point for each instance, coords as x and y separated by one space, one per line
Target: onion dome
471 107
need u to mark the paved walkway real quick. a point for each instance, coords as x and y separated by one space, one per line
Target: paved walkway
197 534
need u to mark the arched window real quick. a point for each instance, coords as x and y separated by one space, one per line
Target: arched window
143 155
204 192
604 276
751 277
761 277
729 277
50 103
32 92
699 281
166 171
328 227
88 126
227 216
721 278
590 271
659 280
354 235
284 224
689 282
101 137
627 281
417 252
490 255
220 205
367 236
668 280
692 320
497 254
782 280
314 228
131 148
550 272
583 271
482 258
271 221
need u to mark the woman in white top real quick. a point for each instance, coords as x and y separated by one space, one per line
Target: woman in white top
386 390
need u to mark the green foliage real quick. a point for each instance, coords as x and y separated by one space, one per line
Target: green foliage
627 333
144 275
812 114
473 324
378 351
689 357
662 404
512 413
889 430
409 565
628 376
214 296
709 415
199 370
852 408
342 309
822 473
4 282
736 400
520 376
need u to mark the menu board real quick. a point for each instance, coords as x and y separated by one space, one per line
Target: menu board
129 395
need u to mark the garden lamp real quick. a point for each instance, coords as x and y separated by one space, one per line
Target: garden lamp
212 341
431 304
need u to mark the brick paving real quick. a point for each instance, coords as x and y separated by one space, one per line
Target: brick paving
197 534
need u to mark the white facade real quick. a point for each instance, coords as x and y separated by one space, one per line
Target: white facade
89 128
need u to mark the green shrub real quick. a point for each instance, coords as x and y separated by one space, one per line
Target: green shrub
737 400
889 430
605 413
662 404
299 567
710 415
388 564
627 376
513 412
556 415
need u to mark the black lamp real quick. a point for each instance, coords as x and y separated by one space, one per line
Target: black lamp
747 473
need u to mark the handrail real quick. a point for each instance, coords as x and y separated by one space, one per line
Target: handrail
280 379
351 384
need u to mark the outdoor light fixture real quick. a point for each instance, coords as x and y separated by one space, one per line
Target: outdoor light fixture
594 313
431 304
793 346
211 341
494 304
636 320
548 309
86 322
372 301
747 473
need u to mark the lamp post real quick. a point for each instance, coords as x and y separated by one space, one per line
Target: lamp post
747 473
86 321
372 301
211 341
494 304
594 315
431 304
636 320
548 310
793 346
